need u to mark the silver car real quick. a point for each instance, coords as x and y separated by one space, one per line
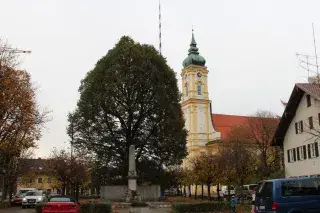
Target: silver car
32 198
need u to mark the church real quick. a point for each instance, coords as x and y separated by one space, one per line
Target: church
205 129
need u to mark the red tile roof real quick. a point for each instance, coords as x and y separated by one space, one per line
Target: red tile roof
224 123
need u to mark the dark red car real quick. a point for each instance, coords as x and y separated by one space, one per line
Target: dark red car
17 200
60 203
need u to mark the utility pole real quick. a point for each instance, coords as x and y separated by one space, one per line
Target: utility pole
160 42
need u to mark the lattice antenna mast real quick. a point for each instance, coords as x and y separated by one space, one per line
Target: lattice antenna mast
315 53
160 42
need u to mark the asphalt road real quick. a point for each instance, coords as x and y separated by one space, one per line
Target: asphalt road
31 210
17 210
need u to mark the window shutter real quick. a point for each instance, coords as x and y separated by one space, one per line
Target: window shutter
301 126
298 152
316 149
296 125
294 154
311 122
309 151
288 152
305 152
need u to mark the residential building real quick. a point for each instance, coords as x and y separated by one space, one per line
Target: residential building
298 132
34 174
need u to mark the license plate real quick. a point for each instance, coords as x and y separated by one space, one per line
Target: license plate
262 207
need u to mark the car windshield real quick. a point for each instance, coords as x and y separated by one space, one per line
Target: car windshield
61 199
23 191
22 195
34 193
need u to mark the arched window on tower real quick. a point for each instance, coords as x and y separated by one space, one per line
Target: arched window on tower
199 88
186 89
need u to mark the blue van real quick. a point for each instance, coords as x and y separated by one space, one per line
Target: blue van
290 195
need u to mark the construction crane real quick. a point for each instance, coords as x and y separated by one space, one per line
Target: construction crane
10 51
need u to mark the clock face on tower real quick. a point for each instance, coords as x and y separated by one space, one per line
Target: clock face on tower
199 74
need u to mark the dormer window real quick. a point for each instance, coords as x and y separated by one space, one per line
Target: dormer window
308 100
199 88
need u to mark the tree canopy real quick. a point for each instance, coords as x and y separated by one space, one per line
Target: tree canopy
130 97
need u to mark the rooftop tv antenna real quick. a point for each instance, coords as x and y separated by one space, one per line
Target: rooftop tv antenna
310 62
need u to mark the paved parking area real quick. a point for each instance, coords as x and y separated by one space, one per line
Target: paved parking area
17 210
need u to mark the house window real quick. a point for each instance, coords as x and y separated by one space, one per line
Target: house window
319 118
299 127
39 180
49 180
313 150
291 155
311 122
308 100
301 152
199 88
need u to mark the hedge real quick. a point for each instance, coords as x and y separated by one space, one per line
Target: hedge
199 207
86 208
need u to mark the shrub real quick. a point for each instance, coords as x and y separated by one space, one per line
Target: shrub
95 208
139 204
199 207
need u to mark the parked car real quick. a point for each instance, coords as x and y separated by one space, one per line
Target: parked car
224 191
61 204
25 190
32 198
17 199
247 190
291 195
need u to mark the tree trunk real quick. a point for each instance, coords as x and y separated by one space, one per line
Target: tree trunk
209 193
5 188
241 190
77 191
195 192
201 191
184 191
190 194
218 191
229 192
63 189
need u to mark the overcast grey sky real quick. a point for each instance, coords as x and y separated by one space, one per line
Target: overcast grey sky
249 46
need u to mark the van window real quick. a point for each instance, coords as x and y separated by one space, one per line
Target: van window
300 187
265 189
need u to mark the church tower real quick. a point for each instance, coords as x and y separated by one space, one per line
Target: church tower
196 105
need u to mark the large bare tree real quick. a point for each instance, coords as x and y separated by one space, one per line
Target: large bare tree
260 130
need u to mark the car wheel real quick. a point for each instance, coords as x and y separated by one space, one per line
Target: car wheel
23 207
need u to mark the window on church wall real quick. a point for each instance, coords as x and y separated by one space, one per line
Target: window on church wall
186 90
199 88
